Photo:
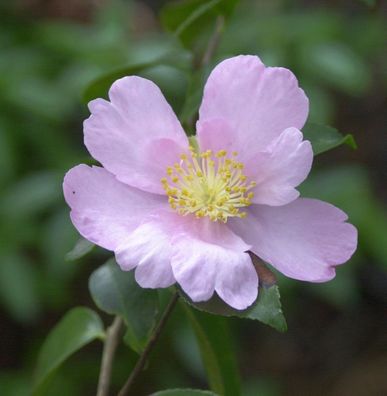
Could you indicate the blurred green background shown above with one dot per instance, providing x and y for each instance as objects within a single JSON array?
[{"x": 52, "y": 49}]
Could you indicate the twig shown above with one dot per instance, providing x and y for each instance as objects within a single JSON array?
[
  {"x": 109, "y": 349},
  {"x": 214, "y": 41},
  {"x": 200, "y": 63},
  {"x": 152, "y": 341}
]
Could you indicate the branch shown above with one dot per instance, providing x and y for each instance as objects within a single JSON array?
[
  {"x": 212, "y": 46},
  {"x": 109, "y": 349},
  {"x": 214, "y": 41},
  {"x": 151, "y": 343}
]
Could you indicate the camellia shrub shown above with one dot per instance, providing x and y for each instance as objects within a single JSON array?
[{"x": 195, "y": 211}]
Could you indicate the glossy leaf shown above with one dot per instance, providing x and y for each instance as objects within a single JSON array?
[
  {"x": 189, "y": 19},
  {"x": 210, "y": 360},
  {"x": 116, "y": 292},
  {"x": 100, "y": 86},
  {"x": 81, "y": 249},
  {"x": 324, "y": 138},
  {"x": 218, "y": 332},
  {"x": 184, "y": 392},
  {"x": 76, "y": 329},
  {"x": 193, "y": 96},
  {"x": 267, "y": 308},
  {"x": 216, "y": 348}
]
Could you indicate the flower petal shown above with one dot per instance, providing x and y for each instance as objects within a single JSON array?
[
  {"x": 258, "y": 103},
  {"x": 208, "y": 257},
  {"x": 105, "y": 210},
  {"x": 281, "y": 168},
  {"x": 125, "y": 133},
  {"x": 237, "y": 281},
  {"x": 149, "y": 249},
  {"x": 304, "y": 239}
]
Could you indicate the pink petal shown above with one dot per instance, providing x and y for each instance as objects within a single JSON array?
[
  {"x": 304, "y": 239},
  {"x": 282, "y": 167},
  {"x": 215, "y": 134},
  {"x": 136, "y": 135},
  {"x": 208, "y": 257},
  {"x": 149, "y": 249},
  {"x": 256, "y": 103},
  {"x": 237, "y": 281},
  {"x": 103, "y": 209}
]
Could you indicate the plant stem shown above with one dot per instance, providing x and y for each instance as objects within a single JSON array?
[
  {"x": 151, "y": 343},
  {"x": 202, "y": 62},
  {"x": 214, "y": 41},
  {"x": 109, "y": 349}
]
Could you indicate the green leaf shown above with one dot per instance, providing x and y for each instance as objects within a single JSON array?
[
  {"x": 116, "y": 292},
  {"x": 100, "y": 86},
  {"x": 190, "y": 19},
  {"x": 337, "y": 65},
  {"x": 193, "y": 96},
  {"x": 200, "y": 9},
  {"x": 369, "y": 3},
  {"x": 76, "y": 329},
  {"x": 82, "y": 247},
  {"x": 216, "y": 348},
  {"x": 324, "y": 138},
  {"x": 22, "y": 301},
  {"x": 267, "y": 308},
  {"x": 31, "y": 195},
  {"x": 184, "y": 392},
  {"x": 209, "y": 357}
]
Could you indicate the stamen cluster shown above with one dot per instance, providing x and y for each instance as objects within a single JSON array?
[{"x": 208, "y": 184}]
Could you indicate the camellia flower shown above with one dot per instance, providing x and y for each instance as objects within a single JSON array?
[{"x": 187, "y": 214}]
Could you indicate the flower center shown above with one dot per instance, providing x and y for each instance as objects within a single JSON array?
[{"x": 208, "y": 184}]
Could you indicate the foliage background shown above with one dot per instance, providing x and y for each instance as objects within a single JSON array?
[{"x": 51, "y": 50}]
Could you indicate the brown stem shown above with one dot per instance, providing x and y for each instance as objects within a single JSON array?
[
  {"x": 212, "y": 45},
  {"x": 151, "y": 343},
  {"x": 109, "y": 349},
  {"x": 214, "y": 41}
]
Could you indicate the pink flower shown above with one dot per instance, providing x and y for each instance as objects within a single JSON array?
[{"x": 187, "y": 215}]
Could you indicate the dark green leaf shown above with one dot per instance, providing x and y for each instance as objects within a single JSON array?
[
  {"x": 31, "y": 195},
  {"x": 100, "y": 86},
  {"x": 200, "y": 9},
  {"x": 267, "y": 308},
  {"x": 77, "y": 328},
  {"x": 369, "y": 3},
  {"x": 116, "y": 292},
  {"x": 190, "y": 19},
  {"x": 183, "y": 392},
  {"x": 82, "y": 247},
  {"x": 216, "y": 348},
  {"x": 324, "y": 138},
  {"x": 210, "y": 360},
  {"x": 337, "y": 65},
  {"x": 23, "y": 301},
  {"x": 193, "y": 96}
]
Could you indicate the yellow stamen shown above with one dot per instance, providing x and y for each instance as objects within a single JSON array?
[{"x": 208, "y": 185}]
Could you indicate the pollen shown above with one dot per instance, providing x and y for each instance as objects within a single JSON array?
[{"x": 208, "y": 184}]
